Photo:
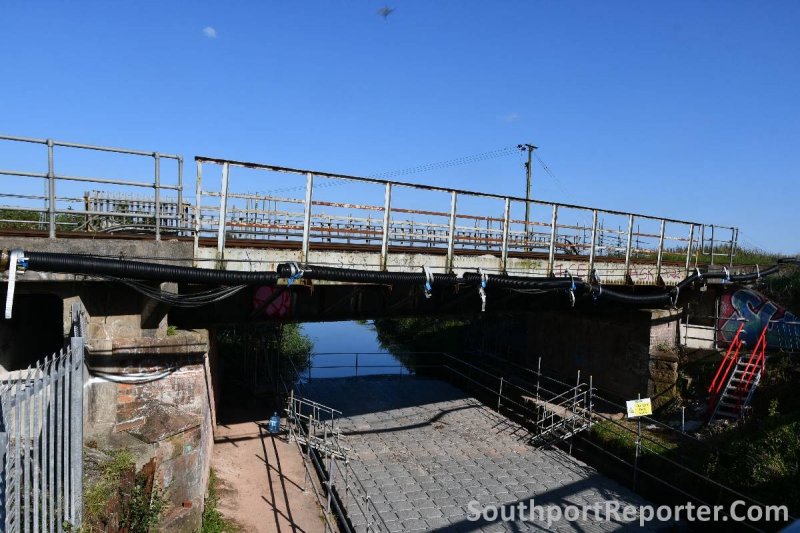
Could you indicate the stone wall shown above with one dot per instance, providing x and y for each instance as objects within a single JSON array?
[{"x": 154, "y": 397}]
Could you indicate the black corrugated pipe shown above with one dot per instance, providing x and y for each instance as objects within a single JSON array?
[
  {"x": 662, "y": 298},
  {"x": 509, "y": 282},
  {"x": 286, "y": 270},
  {"x": 119, "y": 268}
]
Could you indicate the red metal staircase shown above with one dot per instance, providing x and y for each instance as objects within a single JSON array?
[{"x": 737, "y": 378}]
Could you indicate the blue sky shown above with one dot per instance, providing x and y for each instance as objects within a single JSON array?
[{"x": 688, "y": 110}]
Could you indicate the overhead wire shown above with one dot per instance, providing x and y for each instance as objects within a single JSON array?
[{"x": 465, "y": 160}]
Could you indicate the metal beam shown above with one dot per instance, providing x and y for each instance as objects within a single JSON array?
[
  {"x": 387, "y": 209},
  {"x": 504, "y": 249},
  {"x": 594, "y": 239},
  {"x": 628, "y": 246},
  {"x": 307, "y": 217},
  {"x": 553, "y": 235},
  {"x": 660, "y": 249},
  {"x": 451, "y": 237},
  {"x": 223, "y": 216}
]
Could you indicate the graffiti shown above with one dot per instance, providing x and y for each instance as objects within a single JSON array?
[
  {"x": 279, "y": 306},
  {"x": 748, "y": 307}
]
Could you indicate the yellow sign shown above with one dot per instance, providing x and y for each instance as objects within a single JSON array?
[{"x": 640, "y": 407}]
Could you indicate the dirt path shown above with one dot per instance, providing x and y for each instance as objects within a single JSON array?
[{"x": 261, "y": 481}]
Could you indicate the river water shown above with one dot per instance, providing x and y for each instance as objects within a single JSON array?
[{"x": 345, "y": 349}]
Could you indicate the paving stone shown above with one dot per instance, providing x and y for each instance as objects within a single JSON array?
[{"x": 424, "y": 450}]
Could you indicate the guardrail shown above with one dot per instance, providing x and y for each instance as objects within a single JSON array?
[
  {"x": 71, "y": 208},
  {"x": 301, "y": 209},
  {"x": 310, "y": 220}
]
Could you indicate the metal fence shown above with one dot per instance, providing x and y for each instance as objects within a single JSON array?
[
  {"x": 61, "y": 206},
  {"x": 302, "y": 214},
  {"x": 328, "y": 463},
  {"x": 41, "y": 439},
  {"x": 308, "y": 210}
]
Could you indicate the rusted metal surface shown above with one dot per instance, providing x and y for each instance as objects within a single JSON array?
[{"x": 240, "y": 218}]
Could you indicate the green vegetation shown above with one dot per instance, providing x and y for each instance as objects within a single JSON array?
[
  {"x": 758, "y": 457},
  {"x": 172, "y": 331},
  {"x": 116, "y": 496},
  {"x": 432, "y": 334},
  {"x": 213, "y": 522},
  {"x": 287, "y": 340},
  {"x": 34, "y": 220},
  {"x": 784, "y": 288}
]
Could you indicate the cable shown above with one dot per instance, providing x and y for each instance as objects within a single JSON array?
[
  {"x": 128, "y": 272},
  {"x": 493, "y": 154}
]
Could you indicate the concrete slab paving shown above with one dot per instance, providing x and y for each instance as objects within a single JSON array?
[{"x": 426, "y": 451}]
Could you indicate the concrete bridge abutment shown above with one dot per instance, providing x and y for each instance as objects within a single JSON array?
[{"x": 629, "y": 352}]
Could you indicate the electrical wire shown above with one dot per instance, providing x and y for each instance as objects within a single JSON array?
[
  {"x": 466, "y": 160},
  {"x": 195, "y": 299},
  {"x": 131, "y": 273}
]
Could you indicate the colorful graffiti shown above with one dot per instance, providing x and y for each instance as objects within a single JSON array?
[
  {"x": 756, "y": 311},
  {"x": 273, "y": 301}
]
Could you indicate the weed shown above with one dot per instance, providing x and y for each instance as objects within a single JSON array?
[{"x": 213, "y": 522}]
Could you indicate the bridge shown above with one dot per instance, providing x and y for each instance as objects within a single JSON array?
[
  {"x": 155, "y": 389},
  {"x": 245, "y": 216}
]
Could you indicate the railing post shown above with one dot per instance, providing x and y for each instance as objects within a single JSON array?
[
  {"x": 307, "y": 217},
  {"x": 734, "y": 241},
  {"x": 660, "y": 248},
  {"x": 711, "y": 252},
  {"x": 638, "y": 445},
  {"x": 553, "y": 234},
  {"x": 331, "y": 463},
  {"x": 500, "y": 394},
  {"x": 183, "y": 223},
  {"x": 451, "y": 231},
  {"x": 592, "y": 250},
  {"x": 157, "y": 187},
  {"x": 689, "y": 248},
  {"x": 628, "y": 246},
  {"x": 197, "y": 208},
  {"x": 223, "y": 215},
  {"x": 76, "y": 424},
  {"x": 591, "y": 401},
  {"x": 504, "y": 249},
  {"x": 387, "y": 208},
  {"x": 51, "y": 191}
]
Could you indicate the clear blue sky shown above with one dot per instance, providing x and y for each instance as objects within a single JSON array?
[{"x": 689, "y": 110}]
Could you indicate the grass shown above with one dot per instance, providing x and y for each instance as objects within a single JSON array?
[
  {"x": 99, "y": 495},
  {"x": 784, "y": 288},
  {"x": 213, "y": 521},
  {"x": 758, "y": 457},
  {"x": 115, "y": 496}
]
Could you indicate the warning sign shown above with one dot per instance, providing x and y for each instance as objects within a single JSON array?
[{"x": 640, "y": 407}]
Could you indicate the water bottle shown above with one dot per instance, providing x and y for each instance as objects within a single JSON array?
[{"x": 274, "y": 423}]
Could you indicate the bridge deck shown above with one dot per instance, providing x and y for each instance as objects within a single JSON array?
[{"x": 425, "y": 450}]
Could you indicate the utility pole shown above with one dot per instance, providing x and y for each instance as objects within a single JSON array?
[{"x": 527, "y": 148}]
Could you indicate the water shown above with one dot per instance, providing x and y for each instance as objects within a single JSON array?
[{"x": 346, "y": 349}]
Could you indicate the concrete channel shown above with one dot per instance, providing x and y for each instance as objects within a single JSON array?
[{"x": 424, "y": 450}]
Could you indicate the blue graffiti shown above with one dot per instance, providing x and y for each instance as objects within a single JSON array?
[{"x": 755, "y": 312}]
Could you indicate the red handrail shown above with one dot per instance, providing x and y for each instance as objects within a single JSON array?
[
  {"x": 750, "y": 369},
  {"x": 730, "y": 348}
]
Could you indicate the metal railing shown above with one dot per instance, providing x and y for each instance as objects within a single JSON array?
[
  {"x": 316, "y": 431},
  {"x": 310, "y": 222},
  {"x": 41, "y": 439},
  {"x": 305, "y": 215},
  {"x": 521, "y": 393},
  {"x": 73, "y": 209}
]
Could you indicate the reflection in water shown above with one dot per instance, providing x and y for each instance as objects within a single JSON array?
[{"x": 346, "y": 349}]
